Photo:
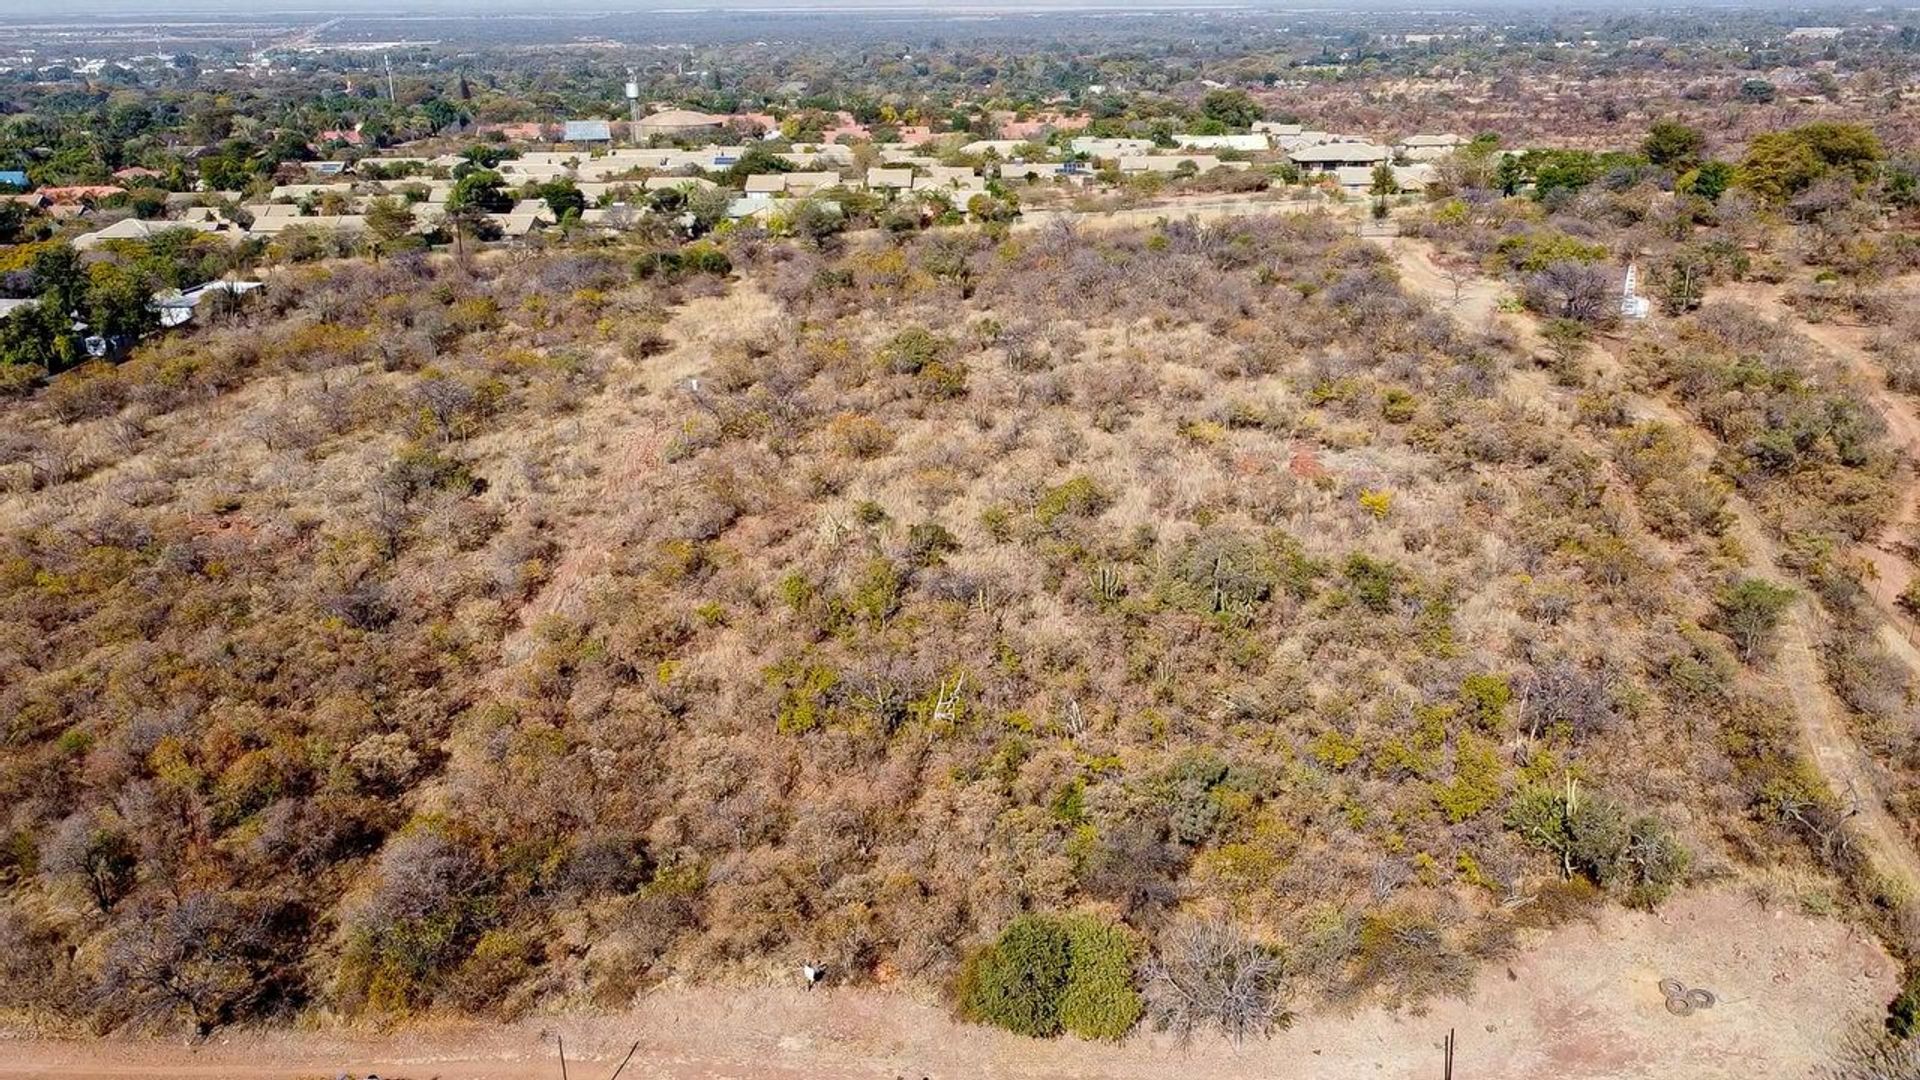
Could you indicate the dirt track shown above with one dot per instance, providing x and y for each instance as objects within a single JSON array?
[
  {"x": 1577, "y": 1003},
  {"x": 1796, "y": 673}
]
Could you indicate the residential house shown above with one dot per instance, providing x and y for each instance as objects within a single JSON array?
[
  {"x": 671, "y": 122},
  {"x": 1045, "y": 170},
  {"x": 1429, "y": 147},
  {"x": 1256, "y": 143},
  {"x": 527, "y": 132},
  {"x": 291, "y": 192},
  {"x": 534, "y": 208},
  {"x": 1358, "y": 179},
  {"x": 846, "y": 129},
  {"x": 812, "y": 155},
  {"x": 257, "y": 211},
  {"x": 139, "y": 229},
  {"x": 1109, "y": 149},
  {"x": 518, "y": 226},
  {"x": 880, "y": 179},
  {"x": 1174, "y": 163},
  {"x": 618, "y": 217},
  {"x": 274, "y": 226},
  {"x": 749, "y": 206},
  {"x": 394, "y": 161},
  {"x": 1039, "y": 126},
  {"x": 586, "y": 131},
  {"x": 998, "y": 147},
  {"x": 796, "y": 184},
  {"x": 1329, "y": 156},
  {"x": 176, "y": 307},
  {"x": 764, "y": 123},
  {"x": 82, "y": 192}
]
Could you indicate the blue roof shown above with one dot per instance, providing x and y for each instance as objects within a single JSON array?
[
  {"x": 14, "y": 177},
  {"x": 588, "y": 131}
]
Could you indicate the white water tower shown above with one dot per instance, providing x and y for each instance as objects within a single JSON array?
[{"x": 633, "y": 101}]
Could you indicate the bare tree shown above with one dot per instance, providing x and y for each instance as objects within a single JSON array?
[
  {"x": 1562, "y": 692},
  {"x": 1209, "y": 973},
  {"x": 207, "y": 957},
  {"x": 98, "y": 853},
  {"x": 1572, "y": 290}
]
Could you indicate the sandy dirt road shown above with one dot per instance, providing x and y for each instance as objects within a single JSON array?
[
  {"x": 1796, "y": 673},
  {"x": 1889, "y": 552},
  {"x": 1576, "y": 1003}
]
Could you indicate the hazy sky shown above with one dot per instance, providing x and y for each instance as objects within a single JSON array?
[
  {"x": 176, "y": 10},
  {"x": 321, "y": 7}
]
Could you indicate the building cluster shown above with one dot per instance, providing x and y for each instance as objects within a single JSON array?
[{"x": 619, "y": 181}]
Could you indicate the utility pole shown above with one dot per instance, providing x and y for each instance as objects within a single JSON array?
[{"x": 387, "y": 58}]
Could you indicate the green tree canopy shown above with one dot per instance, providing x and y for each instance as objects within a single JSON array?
[
  {"x": 1672, "y": 144},
  {"x": 1234, "y": 108}
]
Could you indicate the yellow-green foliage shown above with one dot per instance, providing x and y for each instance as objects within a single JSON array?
[
  {"x": 804, "y": 693},
  {"x": 1484, "y": 698},
  {"x": 1476, "y": 779},
  {"x": 1335, "y": 749},
  {"x": 1079, "y": 497},
  {"x": 1099, "y": 1001},
  {"x": 1048, "y": 973},
  {"x": 1418, "y": 754}
]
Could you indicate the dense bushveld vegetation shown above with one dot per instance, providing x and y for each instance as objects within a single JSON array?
[{"x": 1181, "y": 623}]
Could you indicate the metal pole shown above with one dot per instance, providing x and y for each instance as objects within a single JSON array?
[
  {"x": 623, "y": 1062},
  {"x": 561, "y": 1040}
]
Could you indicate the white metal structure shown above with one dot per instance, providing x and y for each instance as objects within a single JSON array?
[{"x": 1632, "y": 304}]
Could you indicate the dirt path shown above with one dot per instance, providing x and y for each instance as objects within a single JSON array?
[
  {"x": 1576, "y": 1003},
  {"x": 1795, "y": 672},
  {"x": 1472, "y": 298},
  {"x": 1890, "y": 551}
]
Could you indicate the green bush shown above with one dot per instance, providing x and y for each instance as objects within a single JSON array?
[
  {"x": 1749, "y": 611},
  {"x": 1371, "y": 581},
  {"x": 1048, "y": 973},
  {"x": 1484, "y": 699},
  {"x": 1903, "y": 1014},
  {"x": 1231, "y": 573},
  {"x": 1099, "y": 1001},
  {"x": 1016, "y": 982},
  {"x": 1078, "y": 497},
  {"x": 1476, "y": 780},
  {"x": 1595, "y": 837},
  {"x": 696, "y": 258},
  {"x": 911, "y": 350}
]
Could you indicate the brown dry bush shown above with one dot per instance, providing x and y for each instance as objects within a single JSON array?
[{"x": 778, "y": 648}]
